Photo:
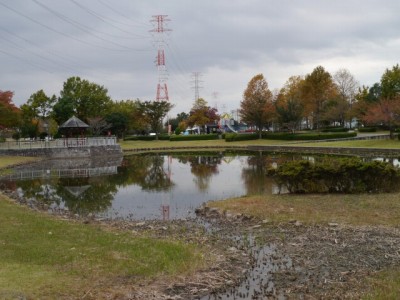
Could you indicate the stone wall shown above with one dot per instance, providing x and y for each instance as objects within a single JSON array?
[{"x": 73, "y": 152}]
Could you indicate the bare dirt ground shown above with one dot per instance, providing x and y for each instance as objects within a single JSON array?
[
  {"x": 302, "y": 262},
  {"x": 253, "y": 259}
]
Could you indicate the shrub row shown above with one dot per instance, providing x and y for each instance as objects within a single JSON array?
[
  {"x": 344, "y": 175},
  {"x": 367, "y": 129},
  {"x": 164, "y": 137},
  {"x": 335, "y": 129},
  {"x": 233, "y": 137},
  {"x": 308, "y": 136},
  {"x": 194, "y": 137}
]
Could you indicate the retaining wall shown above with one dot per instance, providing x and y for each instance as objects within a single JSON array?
[{"x": 72, "y": 152}]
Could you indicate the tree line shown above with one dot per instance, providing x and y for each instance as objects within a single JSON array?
[
  {"x": 319, "y": 99},
  {"x": 314, "y": 101}
]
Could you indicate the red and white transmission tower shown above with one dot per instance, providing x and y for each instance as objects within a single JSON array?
[{"x": 159, "y": 31}]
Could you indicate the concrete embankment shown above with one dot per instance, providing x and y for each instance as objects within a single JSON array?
[{"x": 71, "y": 152}]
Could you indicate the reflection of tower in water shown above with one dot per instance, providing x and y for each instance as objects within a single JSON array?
[{"x": 165, "y": 205}]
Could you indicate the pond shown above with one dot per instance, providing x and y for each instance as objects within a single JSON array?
[{"x": 146, "y": 186}]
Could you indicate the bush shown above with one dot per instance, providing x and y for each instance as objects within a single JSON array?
[
  {"x": 194, "y": 137},
  {"x": 335, "y": 129},
  {"x": 16, "y": 136},
  {"x": 344, "y": 175},
  {"x": 367, "y": 129},
  {"x": 178, "y": 131},
  {"x": 164, "y": 137},
  {"x": 307, "y": 136},
  {"x": 234, "y": 137},
  {"x": 43, "y": 135},
  {"x": 2, "y": 139}
]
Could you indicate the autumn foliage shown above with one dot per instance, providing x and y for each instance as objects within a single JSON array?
[
  {"x": 8, "y": 111},
  {"x": 257, "y": 107}
]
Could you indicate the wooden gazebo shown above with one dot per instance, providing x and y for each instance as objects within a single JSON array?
[{"x": 73, "y": 127}]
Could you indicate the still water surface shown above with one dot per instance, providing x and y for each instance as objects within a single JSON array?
[
  {"x": 143, "y": 186},
  {"x": 150, "y": 187}
]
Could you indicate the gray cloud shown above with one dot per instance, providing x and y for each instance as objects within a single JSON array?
[{"x": 44, "y": 42}]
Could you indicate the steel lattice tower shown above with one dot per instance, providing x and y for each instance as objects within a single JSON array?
[
  {"x": 159, "y": 31},
  {"x": 196, "y": 81}
]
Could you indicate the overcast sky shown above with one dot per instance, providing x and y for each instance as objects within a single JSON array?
[{"x": 44, "y": 42}]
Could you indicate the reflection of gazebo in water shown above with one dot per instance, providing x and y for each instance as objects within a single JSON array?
[
  {"x": 77, "y": 191},
  {"x": 73, "y": 127}
]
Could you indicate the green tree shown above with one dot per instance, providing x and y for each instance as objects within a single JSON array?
[
  {"x": 390, "y": 82},
  {"x": 130, "y": 117},
  {"x": 37, "y": 110},
  {"x": 174, "y": 122},
  {"x": 153, "y": 113},
  {"x": 40, "y": 104},
  {"x": 257, "y": 107},
  {"x": 361, "y": 104},
  {"x": 118, "y": 123},
  {"x": 83, "y": 99}
]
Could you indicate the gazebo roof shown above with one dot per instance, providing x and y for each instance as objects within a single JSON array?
[{"x": 74, "y": 122}]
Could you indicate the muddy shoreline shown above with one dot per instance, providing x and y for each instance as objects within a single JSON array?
[{"x": 257, "y": 259}]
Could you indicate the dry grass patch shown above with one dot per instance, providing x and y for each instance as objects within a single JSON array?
[{"x": 364, "y": 209}]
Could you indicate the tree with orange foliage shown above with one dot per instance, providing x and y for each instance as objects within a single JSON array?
[
  {"x": 385, "y": 112},
  {"x": 9, "y": 113},
  {"x": 257, "y": 107},
  {"x": 318, "y": 90},
  {"x": 289, "y": 106}
]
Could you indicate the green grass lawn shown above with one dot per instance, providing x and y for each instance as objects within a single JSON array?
[
  {"x": 130, "y": 145},
  {"x": 390, "y": 144},
  {"x": 46, "y": 258},
  {"x": 6, "y": 161}
]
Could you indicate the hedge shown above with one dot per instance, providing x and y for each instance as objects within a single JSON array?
[
  {"x": 163, "y": 137},
  {"x": 233, "y": 137},
  {"x": 367, "y": 129},
  {"x": 194, "y": 137},
  {"x": 308, "y": 136},
  {"x": 335, "y": 129}
]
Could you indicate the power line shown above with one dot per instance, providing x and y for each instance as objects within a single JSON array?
[
  {"x": 78, "y": 25},
  {"x": 25, "y": 61},
  {"x": 36, "y": 54},
  {"x": 122, "y": 15},
  {"x": 60, "y": 32},
  {"x": 101, "y": 18}
]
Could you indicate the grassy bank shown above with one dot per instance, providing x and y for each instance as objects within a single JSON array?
[
  {"x": 352, "y": 209},
  {"x": 381, "y": 144},
  {"x": 130, "y": 145},
  {"x": 42, "y": 257},
  {"x": 7, "y": 161}
]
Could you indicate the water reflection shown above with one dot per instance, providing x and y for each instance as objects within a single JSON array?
[{"x": 145, "y": 186}]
